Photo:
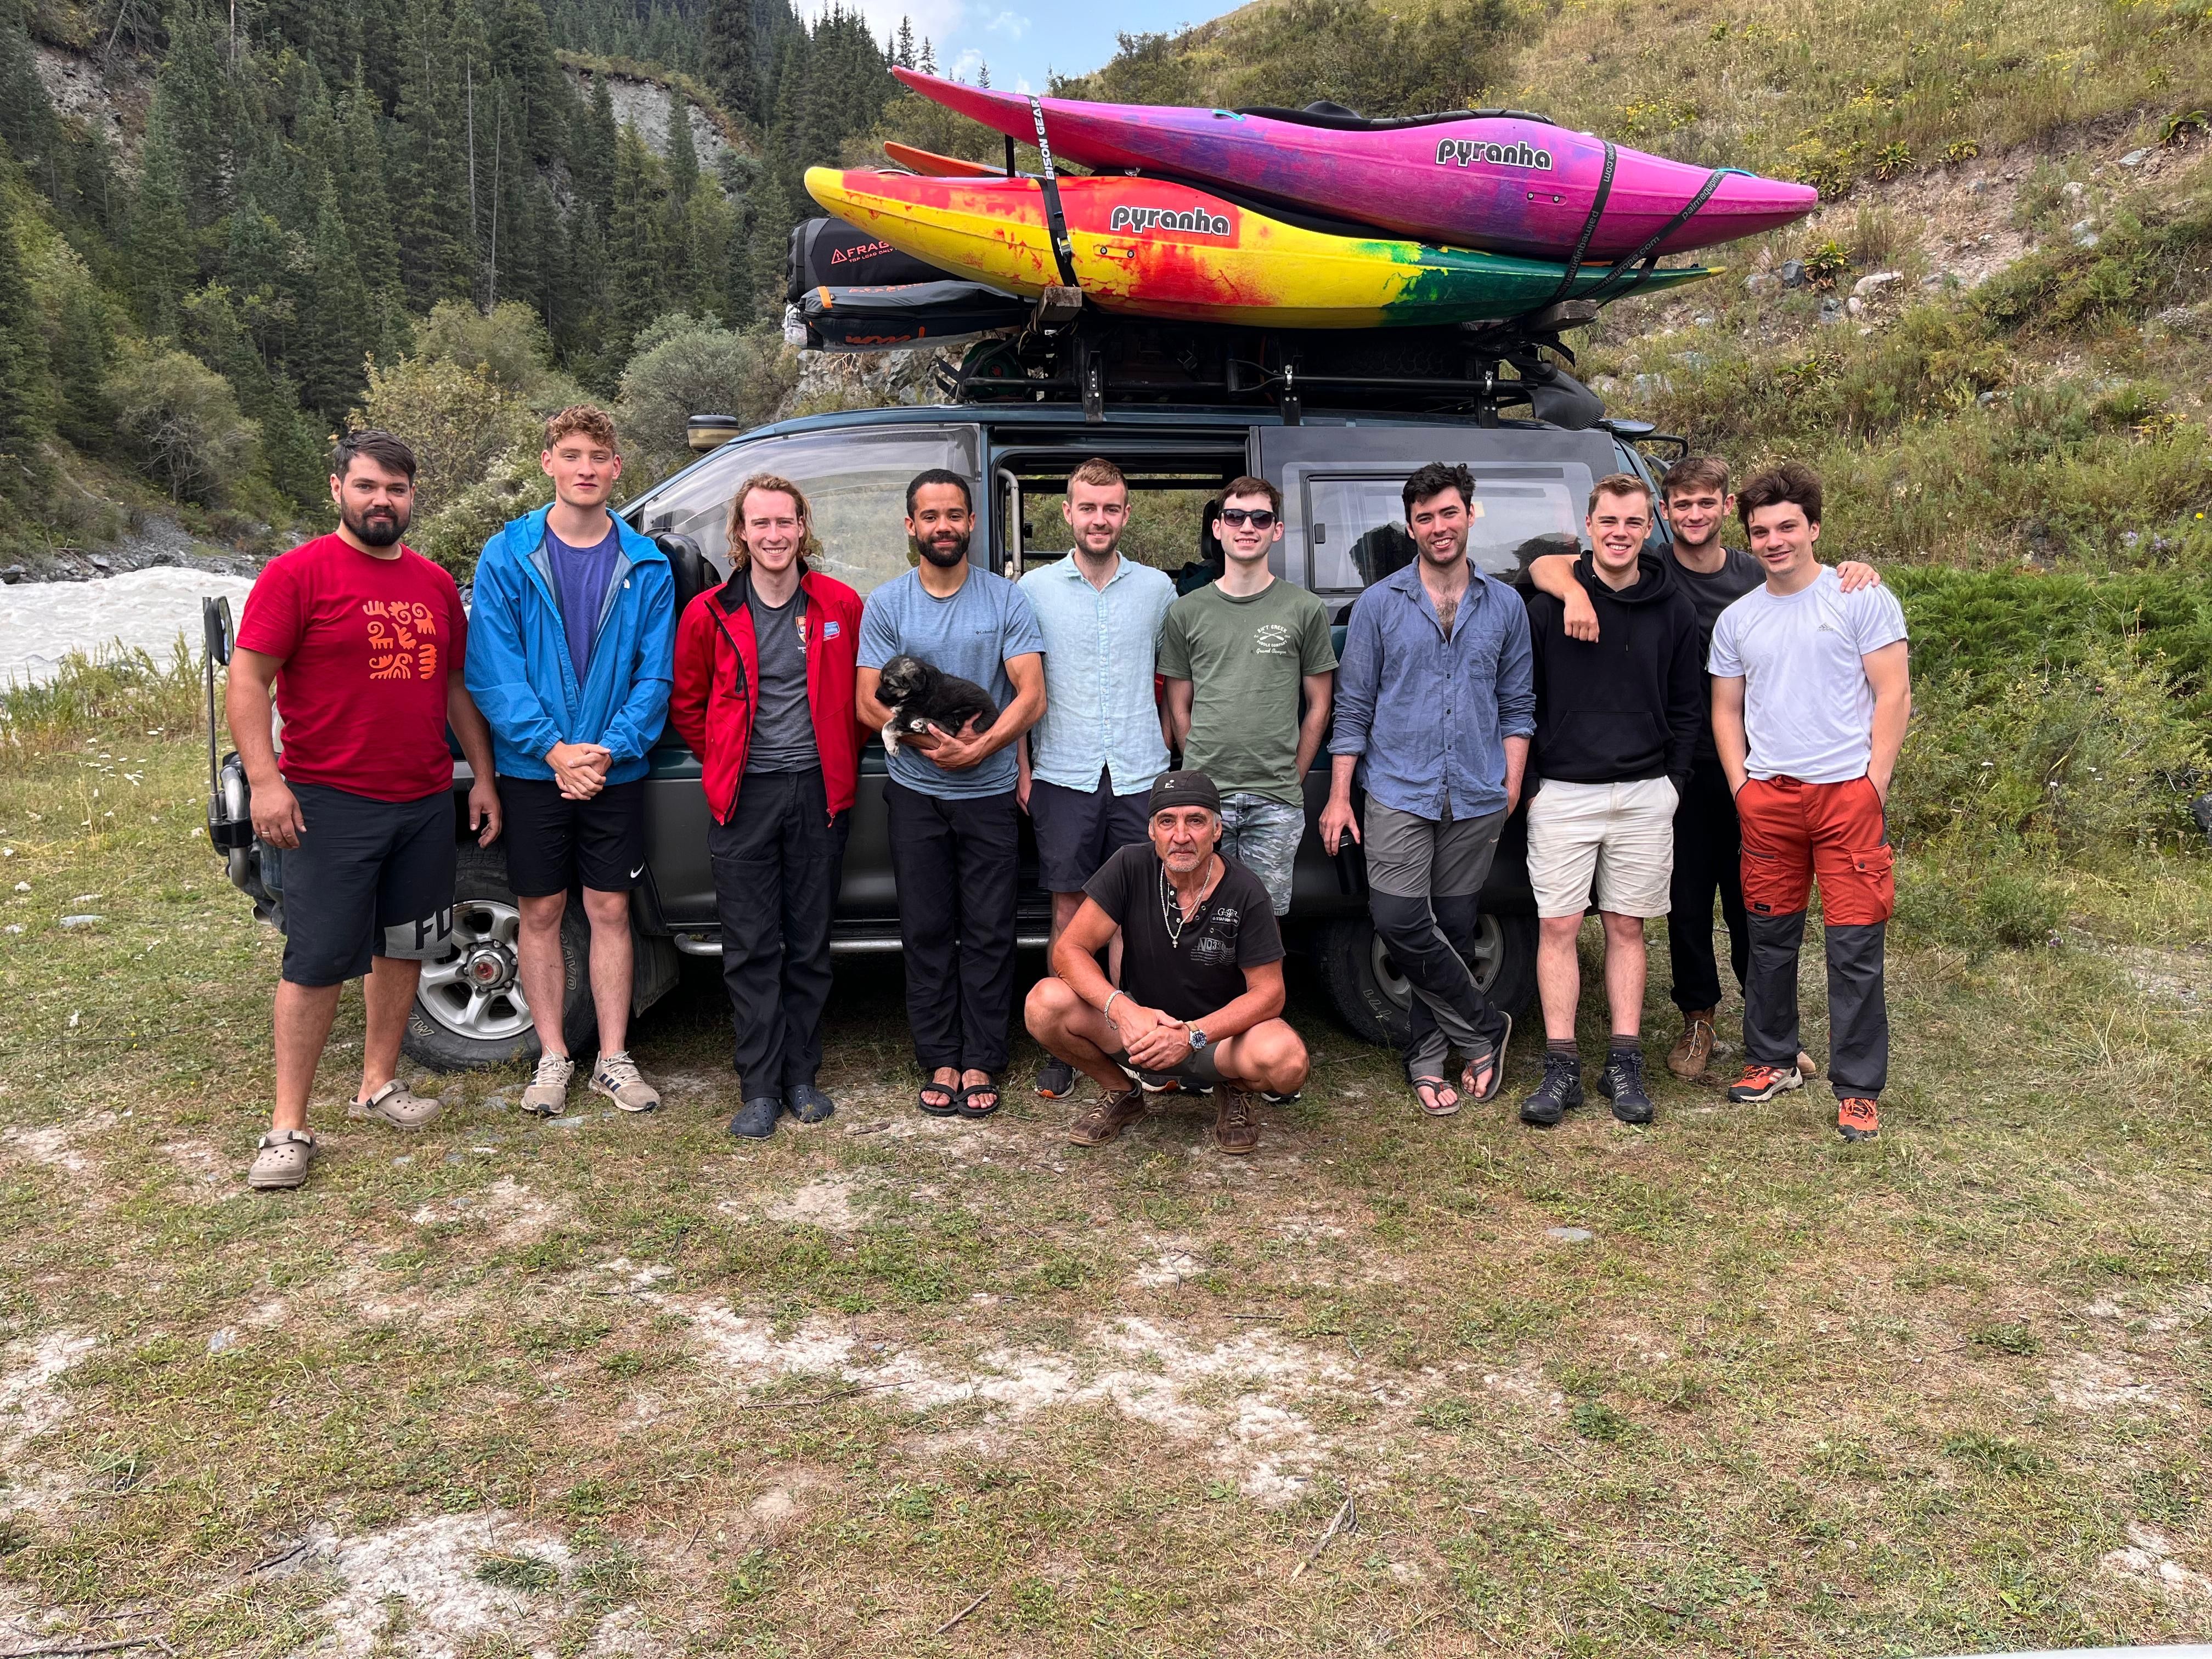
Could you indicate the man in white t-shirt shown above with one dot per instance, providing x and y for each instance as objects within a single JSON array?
[{"x": 1811, "y": 694}]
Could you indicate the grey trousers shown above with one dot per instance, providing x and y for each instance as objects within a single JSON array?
[
  {"x": 1424, "y": 879},
  {"x": 1859, "y": 1013}
]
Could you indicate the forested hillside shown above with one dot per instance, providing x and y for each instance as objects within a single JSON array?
[{"x": 202, "y": 261}]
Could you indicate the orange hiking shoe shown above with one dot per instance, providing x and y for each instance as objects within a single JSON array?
[
  {"x": 1857, "y": 1119},
  {"x": 1760, "y": 1083}
]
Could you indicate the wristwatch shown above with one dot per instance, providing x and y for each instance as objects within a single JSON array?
[{"x": 1198, "y": 1038}]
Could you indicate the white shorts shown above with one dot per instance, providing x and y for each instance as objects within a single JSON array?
[{"x": 1623, "y": 834}]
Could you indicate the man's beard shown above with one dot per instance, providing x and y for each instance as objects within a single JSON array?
[
  {"x": 953, "y": 553},
  {"x": 382, "y": 532}
]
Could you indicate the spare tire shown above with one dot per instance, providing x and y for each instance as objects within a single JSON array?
[
  {"x": 1372, "y": 997},
  {"x": 470, "y": 1011}
]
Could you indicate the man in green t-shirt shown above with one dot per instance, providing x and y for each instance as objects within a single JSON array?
[{"x": 1237, "y": 656}]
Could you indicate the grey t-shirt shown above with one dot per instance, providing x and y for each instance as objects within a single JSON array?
[
  {"x": 1807, "y": 706},
  {"x": 783, "y": 720},
  {"x": 971, "y": 634}
]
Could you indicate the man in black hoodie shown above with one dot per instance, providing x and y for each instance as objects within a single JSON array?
[{"x": 1617, "y": 723}]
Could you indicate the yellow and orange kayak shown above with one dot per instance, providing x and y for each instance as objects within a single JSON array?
[{"x": 1155, "y": 247}]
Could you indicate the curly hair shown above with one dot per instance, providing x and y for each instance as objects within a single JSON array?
[
  {"x": 742, "y": 556},
  {"x": 1792, "y": 483},
  {"x": 586, "y": 418}
]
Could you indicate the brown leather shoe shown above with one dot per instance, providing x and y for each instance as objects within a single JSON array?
[
  {"x": 1112, "y": 1114},
  {"x": 1235, "y": 1121},
  {"x": 1693, "y": 1050},
  {"x": 1805, "y": 1066}
]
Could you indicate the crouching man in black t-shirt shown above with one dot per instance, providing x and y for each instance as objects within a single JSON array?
[{"x": 1201, "y": 973}]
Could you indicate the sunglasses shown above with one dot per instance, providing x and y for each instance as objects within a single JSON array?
[{"x": 1258, "y": 517}]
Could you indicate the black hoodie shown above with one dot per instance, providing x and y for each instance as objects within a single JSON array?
[{"x": 1630, "y": 705}]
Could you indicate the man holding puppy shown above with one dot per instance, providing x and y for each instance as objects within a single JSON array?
[
  {"x": 1202, "y": 992},
  {"x": 955, "y": 828},
  {"x": 574, "y": 630}
]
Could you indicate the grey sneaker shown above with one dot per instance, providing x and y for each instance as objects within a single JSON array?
[
  {"x": 548, "y": 1093},
  {"x": 399, "y": 1106},
  {"x": 618, "y": 1080},
  {"x": 281, "y": 1161}
]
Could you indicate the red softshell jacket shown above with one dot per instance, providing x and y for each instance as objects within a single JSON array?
[{"x": 718, "y": 679}]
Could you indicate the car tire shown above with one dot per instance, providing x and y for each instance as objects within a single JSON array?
[
  {"x": 1372, "y": 999},
  {"x": 470, "y": 1013}
]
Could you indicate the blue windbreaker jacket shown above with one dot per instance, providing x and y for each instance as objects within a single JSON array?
[{"x": 518, "y": 666}]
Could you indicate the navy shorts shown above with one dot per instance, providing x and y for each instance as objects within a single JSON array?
[
  {"x": 369, "y": 879},
  {"x": 553, "y": 842},
  {"x": 1078, "y": 829}
]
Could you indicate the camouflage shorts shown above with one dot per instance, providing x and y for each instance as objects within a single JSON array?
[{"x": 1263, "y": 837}]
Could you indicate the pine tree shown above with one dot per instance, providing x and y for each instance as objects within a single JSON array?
[
  {"x": 83, "y": 347},
  {"x": 927, "y": 64},
  {"x": 428, "y": 164},
  {"x": 335, "y": 317},
  {"x": 162, "y": 262},
  {"x": 902, "y": 53},
  {"x": 22, "y": 359},
  {"x": 592, "y": 149},
  {"x": 364, "y": 202},
  {"x": 637, "y": 242},
  {"x": 733, "y": 60},
  {"x": 982, "y": 74},
  {"x": 680, "y": 153}
]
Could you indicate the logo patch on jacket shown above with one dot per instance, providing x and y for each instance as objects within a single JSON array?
[{"x": 831, "y": 628}]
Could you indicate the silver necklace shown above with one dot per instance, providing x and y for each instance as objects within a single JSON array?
[{"x": 1171, "y": 911}]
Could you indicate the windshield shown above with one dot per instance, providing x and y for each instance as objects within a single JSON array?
[
  {"x": 855, "y": 482},
  {"x": 1356, "y": 525}
]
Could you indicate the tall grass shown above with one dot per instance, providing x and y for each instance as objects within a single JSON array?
[{"x": 106, "y": 689}]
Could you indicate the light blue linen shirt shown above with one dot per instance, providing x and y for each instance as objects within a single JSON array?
[{"x": 1099, "y": 647}]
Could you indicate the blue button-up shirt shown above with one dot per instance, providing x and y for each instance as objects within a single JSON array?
[
  {"x": 1429, "y": 716},
  {"x": 1100, "y": 714}
]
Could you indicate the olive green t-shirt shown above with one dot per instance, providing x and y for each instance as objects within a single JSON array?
[{"x": 1244, "y": 659}]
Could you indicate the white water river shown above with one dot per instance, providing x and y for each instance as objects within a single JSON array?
[{"x": 41, "y": 622}]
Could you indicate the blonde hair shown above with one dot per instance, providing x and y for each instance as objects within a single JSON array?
[{"x": 740, "y": 554}]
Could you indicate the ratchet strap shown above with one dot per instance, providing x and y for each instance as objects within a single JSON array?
[
  {"x": 1063, "y": 250},
  {"x": 1628, "y": 274},
  {"x": 1589, "y": 228}
]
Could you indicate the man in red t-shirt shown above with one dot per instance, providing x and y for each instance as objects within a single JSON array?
[{"x": 362, "y": 641}]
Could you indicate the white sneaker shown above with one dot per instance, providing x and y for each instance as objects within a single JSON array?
[
  {"x": 617, "y": 1079},
  {"x": 547, "y": 1093}
]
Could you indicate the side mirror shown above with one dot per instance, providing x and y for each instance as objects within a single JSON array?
[{"x": 215, "y": 626}]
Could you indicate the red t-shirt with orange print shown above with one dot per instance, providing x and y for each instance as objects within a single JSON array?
[{"x": 366, "y": 645}]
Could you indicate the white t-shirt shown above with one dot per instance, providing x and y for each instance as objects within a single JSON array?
[{"x": 1807, "y": 706}]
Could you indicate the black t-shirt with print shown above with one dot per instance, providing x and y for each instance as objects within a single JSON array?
[
  {"x": 1712, "y": 593},
  {"x": 1233, "y": 930}
]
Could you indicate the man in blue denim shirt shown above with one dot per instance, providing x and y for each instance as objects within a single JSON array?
[{"x": 1436, "y": 702}]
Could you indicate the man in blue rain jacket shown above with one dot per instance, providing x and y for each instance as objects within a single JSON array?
[{"x": 572, "y": 636}]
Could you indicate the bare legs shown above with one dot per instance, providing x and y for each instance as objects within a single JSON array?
[
  {"x": 302, "y": 1026},
  {"x": 1559, "y": 974},
  {"x": 545, "y": 974}
]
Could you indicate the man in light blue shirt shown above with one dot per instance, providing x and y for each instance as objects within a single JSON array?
[
  {"x": 1436, "y": 702},
  {"x": 1093, "y": 756},
  {"x": 955, "y": 829}
]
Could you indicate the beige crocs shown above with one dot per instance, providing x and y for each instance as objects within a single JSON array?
[
  {"x": 547, "y": 1093},
  {"x": 398, "y": 1106},
  {"x": 281, "y": 1163},
  {"x": 618, "y": 1080}
]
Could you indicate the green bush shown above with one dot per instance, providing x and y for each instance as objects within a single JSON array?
[
  {"x": 685, "y": 367},
  {"x": 185, "y": 420}
]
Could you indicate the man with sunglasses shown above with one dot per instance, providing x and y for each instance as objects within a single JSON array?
[{"x": 1239, "y": 657}]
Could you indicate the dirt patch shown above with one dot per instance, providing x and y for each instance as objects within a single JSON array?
[
  {"x": 2180, "y": 979},
  {"x": 2090, "y": 1383},
  {"x": 30, "y": 1407},
  {"x": 2148, "y": 1559},
  {"x": 511, "y": 1212},
  {"x": 826, "y": 1203},
  {"x": 48, "y": 1146}
]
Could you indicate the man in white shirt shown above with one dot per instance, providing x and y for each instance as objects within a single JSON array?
[{"x": 1811, "y": 693}]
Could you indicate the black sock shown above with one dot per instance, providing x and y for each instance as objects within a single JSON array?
[{"x": 1562, "y": 1048}]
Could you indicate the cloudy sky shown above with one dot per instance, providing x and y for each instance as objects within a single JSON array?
[{"x": 1021, "y": 40}]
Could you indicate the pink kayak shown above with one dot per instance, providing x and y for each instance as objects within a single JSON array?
[{"x": 1509, "y": 183}]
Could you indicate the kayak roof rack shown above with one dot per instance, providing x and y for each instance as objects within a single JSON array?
[{"x": 1071, "y": 352}]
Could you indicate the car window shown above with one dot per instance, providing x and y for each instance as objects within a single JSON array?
[
  {"x": 1356, "y": 526},
  {"x": 854, "y": 479}
]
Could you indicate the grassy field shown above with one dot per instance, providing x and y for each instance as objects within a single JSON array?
[{"x": 895, "y": 1385}]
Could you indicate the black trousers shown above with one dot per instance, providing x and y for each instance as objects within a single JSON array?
[
  {"x": 1858, "y": 1011},
  {"x": 1708, "y": 858},
  {"x": 777, "y": 864},
  {"x": 956, "y": 863}
]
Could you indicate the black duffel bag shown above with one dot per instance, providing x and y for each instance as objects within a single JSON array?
[{"x": 830, "y": 253}]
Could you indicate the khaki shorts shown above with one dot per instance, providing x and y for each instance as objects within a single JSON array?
[{"x": 1621, "y": 834}]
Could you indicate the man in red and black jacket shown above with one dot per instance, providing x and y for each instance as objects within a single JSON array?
[{"x": 764, "y": 693}]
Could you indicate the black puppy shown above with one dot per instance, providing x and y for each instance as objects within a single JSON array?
[{"x": 923, "y": 699}]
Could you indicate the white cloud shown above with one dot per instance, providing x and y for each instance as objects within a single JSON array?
[
  {"x": 940, "y": 20},
  {"x": 1011, "y": 24}
]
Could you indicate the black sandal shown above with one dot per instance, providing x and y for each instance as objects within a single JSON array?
[
  {"x": 949, "y": 1091},
  {"x": 967, "y": 1107}
]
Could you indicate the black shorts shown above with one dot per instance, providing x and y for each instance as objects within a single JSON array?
[
  {"x": 369, "y": 879},
  {"x": 552, "y": 841},
  {"x": 1077, "y": 830}
]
